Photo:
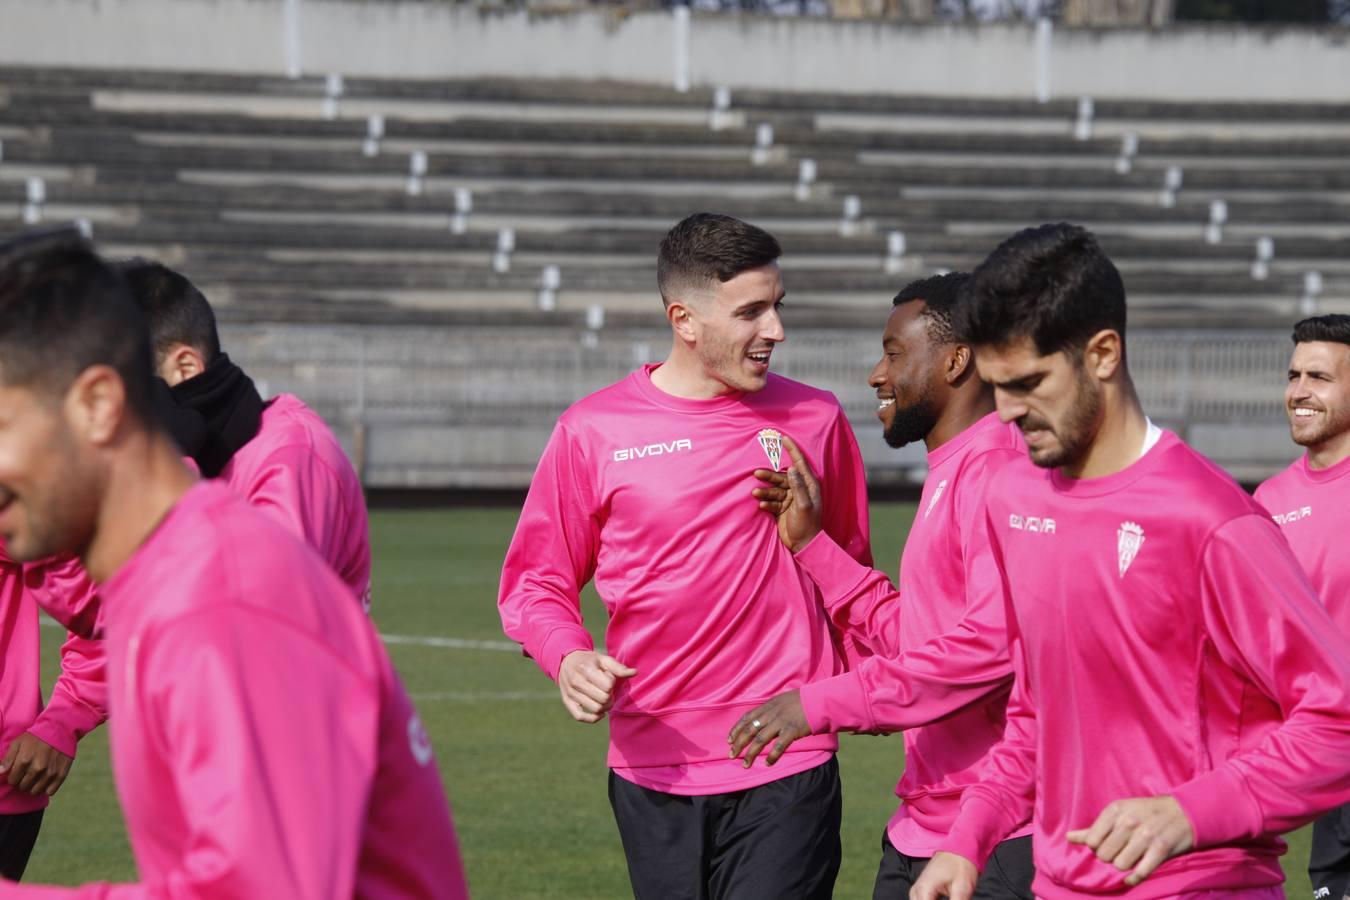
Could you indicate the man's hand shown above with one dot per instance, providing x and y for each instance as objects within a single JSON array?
[
  {"x": 1140, "y": 834},
  {"x": 946, "y": 875},
  {"x": 793, "y": 497},
  {"x": 35, "y": 766},
  {"x": 782, "y": 718},
  {"x": 587, "y": 681}
]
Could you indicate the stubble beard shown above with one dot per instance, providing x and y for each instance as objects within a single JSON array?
[{"x": 1078, "y": 432}]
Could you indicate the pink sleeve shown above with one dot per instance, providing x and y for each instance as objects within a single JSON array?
[
  {"x": 259, "y": 818},
  {"x": 62, "y": 588},
  {"x": 79, "y": 701},
  {"x": 861, "y": 601},
  {"x": 302, "y": 492},
  {"x": 552, "y": 555},
  {"x": 896, "y": 690},
  {"x": 1004, "y": 796},
  {"x": 844, "y": 485},
  {"x": 1266, "y": 622},
  {"x": 845, "y": 518}
]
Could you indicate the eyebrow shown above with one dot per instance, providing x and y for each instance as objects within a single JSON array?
[
  {"x": 753, "y": 303},
  {"x": 1021, "y": 381}
]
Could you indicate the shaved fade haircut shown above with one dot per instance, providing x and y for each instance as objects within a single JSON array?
[
  {"x": 63, "y": 310},
  {"x": 1333, "y": 329},
  {"x": 706, "y": 248},
  {"x": 940, "y": 294},
  {"x": 1052, "y": 284},
  {"x": 175, "y": 310}
]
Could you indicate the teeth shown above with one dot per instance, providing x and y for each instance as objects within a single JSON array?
[
  {"x": 1303, "y": 412},
  {"x": 886, "y": 403}
]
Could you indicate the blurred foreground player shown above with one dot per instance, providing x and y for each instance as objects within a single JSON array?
[
  {"x": 1310, "y": 501},
  {"x": 642, "y": 487},
  {"x": 277, "y": 454},
  {"x": 1180, "y": 698},
  {"x": 262, "y": 744},
  {"x": 941, "y": 671}
]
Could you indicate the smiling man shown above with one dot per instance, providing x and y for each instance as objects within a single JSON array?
[
  {"x": 642, "y": 488},
  {"x": 1310, "y": 501},
  {"x": 943, "y": 676},
  {"x": 1180, "y": 697},
  {"x": 262, "y": 744}
]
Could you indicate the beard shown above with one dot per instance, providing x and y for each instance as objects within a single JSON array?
[
  {"x": 1077, "y": 432},
  {"x": 910, "y": 424},
  {"x": 1334, "y": 424}
]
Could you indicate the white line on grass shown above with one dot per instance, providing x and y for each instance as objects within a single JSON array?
[
  {"x": 416, "y": 640},
  {"x": 481, "y": 696},
  {"x": 450, "y": 643}
]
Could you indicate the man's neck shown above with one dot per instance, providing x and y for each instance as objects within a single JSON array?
[
  {"x": 1330, "y": 452},
  {"x": 147, "y": 480},
  {"x": 1119, "y": 442},
  {"x": 962, "y": 411},
  {"x": 682, "y": 375}
]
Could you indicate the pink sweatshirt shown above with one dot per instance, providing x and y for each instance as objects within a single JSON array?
[
  {"x": 262, "y": 744},
  {"x": 1312, "y": 508},
  {"x": 942, "y": 672},
  {"x": 20, "y": 685},
  {"x": 649, "y": 494},
  {"x": 293, "y": 469},
  {"x": 1164, "y": 641},
  {"x": 79, "y": 700}
]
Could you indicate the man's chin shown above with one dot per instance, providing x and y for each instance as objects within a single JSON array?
[{"x": 1048, "y": 457}]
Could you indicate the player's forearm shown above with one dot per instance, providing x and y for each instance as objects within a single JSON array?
[
  {"x": 79, "y": 701},
  {"x": 860, "y": 600},
  {"x": 986, "y": 819}
]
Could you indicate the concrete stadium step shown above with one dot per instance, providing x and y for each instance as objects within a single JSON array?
[
  {"x": 114, "y": 159},
  {"x": 565, "y": 91}
]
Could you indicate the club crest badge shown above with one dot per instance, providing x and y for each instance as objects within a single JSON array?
[
  {"x": 937, "y": 495},
  {"x": 1129, "y": 538},
  {"x": 772, "y": 442}
]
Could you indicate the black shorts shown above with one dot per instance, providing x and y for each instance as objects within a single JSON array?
[
  {"x": 18, "y": 834},
  {"x": 1329, "y": 856},
  {"x": 774, "y": 841},
  {"x": 1006, "y": 876}
]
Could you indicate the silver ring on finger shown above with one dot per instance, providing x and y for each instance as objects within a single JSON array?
[{"x": 756, "y": 724}]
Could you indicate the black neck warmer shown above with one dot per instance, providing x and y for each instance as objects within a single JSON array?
[{"x": 228, "y": 408}]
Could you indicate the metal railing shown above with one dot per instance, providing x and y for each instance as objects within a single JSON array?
[{"x": 464, "y": 407}]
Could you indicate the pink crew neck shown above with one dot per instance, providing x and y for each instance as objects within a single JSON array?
[
  {"x": 1322, "y": 476},
  {"x": 642, "y": 380}
]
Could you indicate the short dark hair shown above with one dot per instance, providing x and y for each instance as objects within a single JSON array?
[
  {"x": 708, "y": 246},
  {"x": 176, "y": 311},
  {"x": 1052, "y": 283},
  {"x": 941, "y": 295},
  {"x": 1334, "y": 329},
  {"x": 62, "y": 310}
]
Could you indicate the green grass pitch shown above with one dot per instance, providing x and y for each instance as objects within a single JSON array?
[{"x": 526, "y": 782}]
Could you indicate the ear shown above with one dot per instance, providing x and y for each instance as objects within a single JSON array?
[
  {"x": 96, "y": 405},
  {"x": 1104, "y": 355},
  {"x": 959, "y": 361},
  {"x": 681, "y": 320},
  {"x": 181, "y": 363}
]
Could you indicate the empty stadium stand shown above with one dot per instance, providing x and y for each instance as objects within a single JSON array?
[{"x": 429, "y": 255}]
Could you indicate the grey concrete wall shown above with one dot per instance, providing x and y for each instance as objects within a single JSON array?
[{"x": 421, "y": 39}]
